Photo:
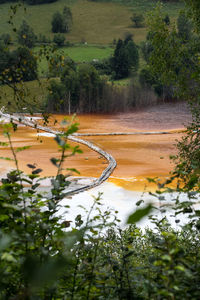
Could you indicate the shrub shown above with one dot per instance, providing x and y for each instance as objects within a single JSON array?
[
  {"x": 6, "y": 38},
  {"x": 138, "y": 20},
  {"x": 59, "y": 39}
]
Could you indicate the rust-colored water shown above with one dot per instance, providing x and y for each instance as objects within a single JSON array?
[{"x": 137, "y": 156}]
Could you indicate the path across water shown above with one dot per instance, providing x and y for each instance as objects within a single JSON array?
[{"x": 106, "y": 173}]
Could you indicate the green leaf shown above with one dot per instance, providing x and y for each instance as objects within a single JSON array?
[
  {"x": 166, "y": 257},
  {"x": 54, "y": 161},
  {"x": 72, "y": 129},
  {"x": 139, "y": 202},
  {"x": 3, "y": 144},
  {"x": 37, "y": 171},
  {"x": 8, "y": 257},
  {"x": 73, "y": 170},
  {"x": 19, "y": 149},
  {"x": 6, "y": 158},
  {"x": 31, "y": 166},
  {"x": 139, "y": 214}
]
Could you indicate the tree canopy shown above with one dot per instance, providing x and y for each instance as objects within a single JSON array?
[
  {"x": 125, "y": 60},
  {"x": 62, "y": 22}
]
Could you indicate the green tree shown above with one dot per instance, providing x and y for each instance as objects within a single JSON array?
[
  {"x": 26, "y": 36},
  {"x": 176, "y": 63},
  {"x": 125, "y": 58},
  {"x": 23, "y": 65},
  {"x": 89, "y": 85},
  {"x": 80, "y": 88},
  {"x": 62, "y": 22},
  {"x": 59, "y": 39},
  {"x": 56, "y": 96},
  {"x": 67, "y": 18},
  {"x": 4, "y": 62},
  {"x": 120, "y": 63},
  {"x": 57, "y": 23},
  {"x": 17, "y": 65},
  {"x": 138, "y": 20},
  {"x": 133, "y": 56},
  {"x": 184, "y": 27},
  {"x": 6, "y": 38},
  {"x": 167, "y": 19}
]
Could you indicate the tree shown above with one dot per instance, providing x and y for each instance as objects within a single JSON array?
[
  {"x": 4, "y": 62},
  {"x": 56, "y": 96},
  {"x": 6, "y": 38},
  {"x": 184, "y": 27},
  {"x": 174, "y": 60},
  {"x": 23, "y": 65},
  {"x": 57, "y": 23},
  {"x": 133, "y": 56},
  {"x": 167, "y": 20},
  {"x": 125, "y": 58},
  {"x": 62, "y": 22},
  {"x": 138, "y": 20},
  {"x": 59, "y": 39},
  {"x": 89, "y": 85},
  {"x": 120, "y": 61},
  {"x": 17, "y": 65},
  {"x": 80, "y": 88},
  {"x": 67, "y": 18},
  {"x": 26, "y": 36}
]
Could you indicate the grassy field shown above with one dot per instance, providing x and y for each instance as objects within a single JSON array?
[
  {"x": 81, "y": 53},
  {"x": 93, "y": 22},
  {"x": 36, "y": 92},
  {"x": 143, "y": 6}
]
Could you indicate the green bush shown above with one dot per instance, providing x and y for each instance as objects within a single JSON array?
[
  {"x": 138, "y": 20},
  {"x": 59, "y": 39}
]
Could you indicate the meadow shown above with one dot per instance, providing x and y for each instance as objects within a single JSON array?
[
  {"x": 34, "y": 95},
  {"x": 93, "y": 22},
  {"x": 79, "y": 54}
]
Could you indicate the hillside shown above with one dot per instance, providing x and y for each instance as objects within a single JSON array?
[{"x": 93, "y": 22}]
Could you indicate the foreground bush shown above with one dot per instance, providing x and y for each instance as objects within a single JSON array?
[{"x": 45, "y": 256}]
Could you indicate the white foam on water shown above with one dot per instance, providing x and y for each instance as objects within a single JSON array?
[
  {"x": 121, "y": 200},
  {"x": 4, "y": 120},
  {"x": 46, "y": 134},
  {"x": 33, "y": 118}
]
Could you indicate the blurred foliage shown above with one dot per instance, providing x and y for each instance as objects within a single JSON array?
[{"x": 43, "y": 255}]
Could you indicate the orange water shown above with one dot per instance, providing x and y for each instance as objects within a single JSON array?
[{"x": 137, "y": 156}]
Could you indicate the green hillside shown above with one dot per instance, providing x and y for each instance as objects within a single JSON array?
[{"x": 93, "y": 22}]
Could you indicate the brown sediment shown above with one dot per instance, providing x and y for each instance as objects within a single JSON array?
[{"x": 137, "y": 156}]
